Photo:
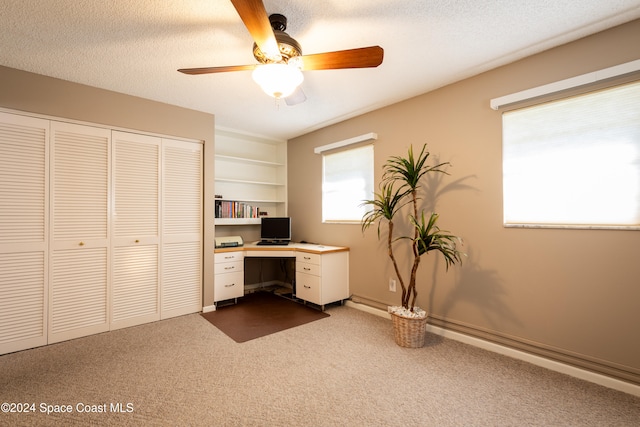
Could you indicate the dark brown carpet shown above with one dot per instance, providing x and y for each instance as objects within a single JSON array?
[{"x": 259, "y": 314}]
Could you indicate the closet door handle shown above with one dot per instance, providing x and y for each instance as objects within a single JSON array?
[{"x": 81, "y": 244}]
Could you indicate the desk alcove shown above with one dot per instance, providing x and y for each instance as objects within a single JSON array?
[{"x": 321, "y": 271}]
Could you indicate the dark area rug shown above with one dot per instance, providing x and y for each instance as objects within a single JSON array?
[{"x": 259, "y": 314}]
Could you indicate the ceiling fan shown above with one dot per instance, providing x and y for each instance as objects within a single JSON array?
[{"x": 280, "y": 57}]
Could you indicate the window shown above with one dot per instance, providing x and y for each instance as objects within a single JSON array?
[
  {"x": 347, "y": 180},
  {"x": 574, "y": 162}
]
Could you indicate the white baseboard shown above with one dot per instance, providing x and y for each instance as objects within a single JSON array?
[
  {"x": 573, "y": 371},
  {"x": 208, "y": 308}
]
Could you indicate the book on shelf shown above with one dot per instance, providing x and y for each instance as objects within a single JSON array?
[{"x": 234, "y": 209}]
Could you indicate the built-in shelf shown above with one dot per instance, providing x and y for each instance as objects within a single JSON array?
[
  {"x": 244, "y": 181},
  {"x": 254, "y": 200},
  {"x": 237, "y": 221},
  {"x": 249, "y": 161},
  {"x": 250, "y": 169}
]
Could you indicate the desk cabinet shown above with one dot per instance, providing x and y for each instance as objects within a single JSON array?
[
  {"x": 322, "y": 278},
  {"x": 229, "y": 275},
  {"x": 322, "y": 272}
]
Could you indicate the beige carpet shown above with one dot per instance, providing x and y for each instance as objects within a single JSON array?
[{"x": 343, "y": 370}]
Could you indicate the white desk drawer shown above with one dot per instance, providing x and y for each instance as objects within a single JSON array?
[
  {"x": 308, "y": 258},
  {"x": 308, "y": 287},
  {"x": 306, "y": 268},
  {"x": 228, "y": 257},
  {"x": 228, "y": 286},
  {"x": 229, "y": 267}
]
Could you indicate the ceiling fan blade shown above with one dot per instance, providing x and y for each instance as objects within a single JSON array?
[
  {"x": 255, "y": 18},
  {"x": 364, "y": 57},
  {"x": 297, "y": 97},
  {"x": 209, "y": 70}
]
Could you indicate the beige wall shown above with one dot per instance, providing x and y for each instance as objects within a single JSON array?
[
  {"x": 567, "y": 294},
  {"x": 53, "y": 97}
]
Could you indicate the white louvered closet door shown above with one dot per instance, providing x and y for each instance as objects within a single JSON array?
[
  {"x": 24, "y": 182},
  {"x": 181, "y": 228},
  {"x": 79, "y": 255},
  {"x": 136, "y": 230}
]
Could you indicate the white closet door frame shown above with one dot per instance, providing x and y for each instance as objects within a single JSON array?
[
  {"x": 58, "y": 284},
  {"x": 24, "y": 231}
]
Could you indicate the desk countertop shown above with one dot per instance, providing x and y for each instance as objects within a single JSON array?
[{"x": 291, "y": 247}]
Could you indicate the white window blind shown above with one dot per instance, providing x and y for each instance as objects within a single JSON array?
[
  {"x": 574, "y": 162},
  {"x": 347, "y": 180}
]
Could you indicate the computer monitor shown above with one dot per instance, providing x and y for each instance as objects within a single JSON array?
[{"x": 275, "y": 229}]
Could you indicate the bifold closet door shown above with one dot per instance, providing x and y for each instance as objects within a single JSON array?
[
  {"x": 24, "y": 183},
  {"x": 182, "y": 228},
  {"x": 136, "y": 229},
  {"x": 79, "y": 255}
]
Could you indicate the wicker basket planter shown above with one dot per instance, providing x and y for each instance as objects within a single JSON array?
[{"x": 409, "y": 331}]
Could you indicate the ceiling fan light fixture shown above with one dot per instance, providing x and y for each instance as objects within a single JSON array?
[
  {"x": 278, "y": 80},
  {"x": 271, "y": 53},
  {"x": 282, "y": 46}
]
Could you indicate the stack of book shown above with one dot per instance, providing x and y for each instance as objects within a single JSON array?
[{"x": 233, "y": 209}]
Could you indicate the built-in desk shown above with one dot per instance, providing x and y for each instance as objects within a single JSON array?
[{"x": 322, "y": 271}]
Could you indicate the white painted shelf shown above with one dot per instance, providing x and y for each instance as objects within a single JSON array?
[
  {"x": 237, "y": 221},
  {"x": 253, "y": 170},
  {"x": 244, "y": 181},
  {"x": 246, "y": 160}
]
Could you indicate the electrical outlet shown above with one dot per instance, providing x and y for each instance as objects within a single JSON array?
[{"x": 392, "y": 285}]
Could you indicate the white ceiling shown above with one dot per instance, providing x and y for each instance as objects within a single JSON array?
[{"x": 135, "y": 47}]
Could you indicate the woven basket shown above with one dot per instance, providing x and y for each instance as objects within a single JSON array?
[{"x": 409, "y": 332}]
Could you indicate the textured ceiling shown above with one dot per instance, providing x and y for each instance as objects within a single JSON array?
[{"x": 135, "y": 47}]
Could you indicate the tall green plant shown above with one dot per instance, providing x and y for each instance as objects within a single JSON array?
[{"x": 399, "y": 187}]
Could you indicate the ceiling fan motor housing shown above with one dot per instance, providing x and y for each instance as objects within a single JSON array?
[{"x": 287, "y": 45}]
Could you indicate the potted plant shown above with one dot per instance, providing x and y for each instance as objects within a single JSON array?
[{"x": 400, "y": 186}]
